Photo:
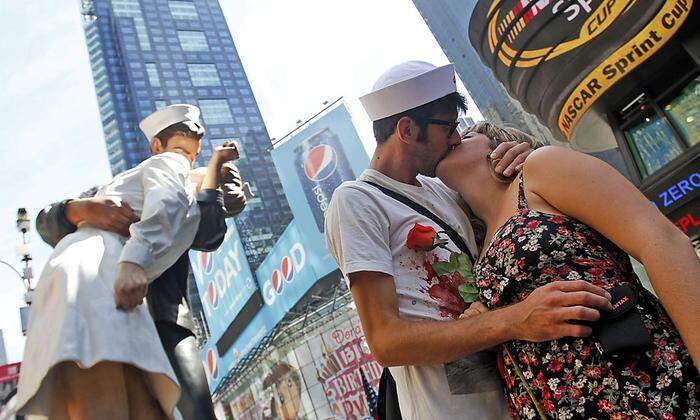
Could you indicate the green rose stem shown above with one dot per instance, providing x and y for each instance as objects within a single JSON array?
[
  {"x": 458, "y": 264},
  {"x": 518, "y": 372}
]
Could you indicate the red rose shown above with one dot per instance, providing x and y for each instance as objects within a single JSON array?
[
  {"x": 533, "y": 224},
  {"x": 548, "y": 406},
  {"x": 605, "y": 405},
  {"x": 574, "y": 393},
  {"x": 670, "y": 357},
  {"x": 555, "y": 365},
  {"x": 644, "y": 378},
  {"x": 421, "y": 238}
]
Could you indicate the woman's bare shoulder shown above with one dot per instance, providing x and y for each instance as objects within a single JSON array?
[
  {"x": 546, "y": 155},
  {"x": 557, "y": 163}
]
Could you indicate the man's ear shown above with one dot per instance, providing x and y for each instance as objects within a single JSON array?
[
  {"x": 156, "y": 146},
  {"x": 406, "y": 130}
]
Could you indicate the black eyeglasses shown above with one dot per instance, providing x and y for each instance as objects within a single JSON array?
[{"x": 452, "y": 124}]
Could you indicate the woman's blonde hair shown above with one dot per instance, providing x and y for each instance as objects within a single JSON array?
[{"x": 497, "y": 135}]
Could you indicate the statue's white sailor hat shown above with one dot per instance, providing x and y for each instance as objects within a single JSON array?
[
  {"x": 407, "y": 86},
  {"x": 172, "y": 114}
]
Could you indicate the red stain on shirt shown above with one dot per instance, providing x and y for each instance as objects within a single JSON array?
[{"x": 444, "y": 290}]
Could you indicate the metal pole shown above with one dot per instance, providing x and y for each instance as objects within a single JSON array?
[
  {"x": 13, "y": 269},
  {"x": 23, "y": 225}
]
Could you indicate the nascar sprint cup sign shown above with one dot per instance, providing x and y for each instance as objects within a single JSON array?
[{"x": 557, "y": 57}]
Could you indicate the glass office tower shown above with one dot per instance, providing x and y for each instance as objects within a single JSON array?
[{"x": 146, "y": 54}]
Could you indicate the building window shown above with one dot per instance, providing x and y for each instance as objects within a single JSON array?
[
  {"x": 184, "y": 10},
  {"x": 684, "y": 112},
  {"x": 659, "y": 129},
  {"x": 153, "y": 78},
  {"x": 204, "y": 75},
  {"x": 192, "y": 41},
  {"x": 652, "y": 143},
  {"x": 216, "y": 111},
  {"x": 160, "y": 104},
  {"x": 132, "y": 9}
]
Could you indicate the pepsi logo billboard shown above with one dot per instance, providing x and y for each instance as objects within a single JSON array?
[
  {"x": 211, "y": 364},
  {"x": 224, "y": 280},
  {"x": 206, "y": 262},
  {"x": 284, "y": 272},
  {"x": 212, "y": 296},
  {"x": 312, "y": 162},
  {"x": 320, "y": 162},
  {"x": 220, "y": 270}
]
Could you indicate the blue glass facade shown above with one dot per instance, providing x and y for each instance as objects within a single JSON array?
[
  {"x": 146, "y": 54},
  {"x": 449, "y": 22}
]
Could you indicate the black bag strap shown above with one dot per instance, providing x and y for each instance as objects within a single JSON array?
[
  {"x": 451, "y": 233},
  {"x": 388, "y": 398}
]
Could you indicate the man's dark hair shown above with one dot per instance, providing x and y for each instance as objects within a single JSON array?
[
  {"x": 180, "y": 129},
  {"x": 384, "y": 128}
]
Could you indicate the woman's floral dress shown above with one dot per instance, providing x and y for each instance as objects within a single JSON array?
[{"x": 571, "y": 377}]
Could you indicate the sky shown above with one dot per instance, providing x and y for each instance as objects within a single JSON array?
[{"x": 297, "y": 54}]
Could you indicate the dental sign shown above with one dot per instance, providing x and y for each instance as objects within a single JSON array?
[
  {"x": 224, "y": 281},
  {"x": 558, "y": 57}
]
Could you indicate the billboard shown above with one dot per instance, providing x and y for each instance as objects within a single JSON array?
[
  {"x": 559, "y": 57},
  {"x": 283, "y": 277},
  {"x": 9, "y": 376},
  {"x": 224, "y": 281},
  {"x": 312, "y": 162},
  {"x": 328, "y": 373}
]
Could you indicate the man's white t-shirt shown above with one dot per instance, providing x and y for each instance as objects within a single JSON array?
[{"x": 366, "y": 230}]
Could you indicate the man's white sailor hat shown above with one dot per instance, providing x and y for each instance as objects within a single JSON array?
[
  {"x": 407, "y": 86},
  {"x": 172, "y": 114}
]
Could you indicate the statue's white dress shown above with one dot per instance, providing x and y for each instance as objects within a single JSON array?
[{"x": 74, "y": 316}]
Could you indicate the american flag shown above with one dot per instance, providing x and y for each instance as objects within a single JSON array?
[{"x": 371, "y": 395}]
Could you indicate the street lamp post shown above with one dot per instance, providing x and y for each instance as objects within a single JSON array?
[{"x": 24, "y": 251}]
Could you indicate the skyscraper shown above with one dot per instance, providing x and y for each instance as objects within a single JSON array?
[
  {"x": 146, "y": 54},
  {"x": 449, "y": 22}
]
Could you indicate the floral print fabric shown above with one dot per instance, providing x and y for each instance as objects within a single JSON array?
[{"x": 572, "y": 377}]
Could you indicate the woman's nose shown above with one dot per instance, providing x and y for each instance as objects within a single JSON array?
[{"x": 455, "y": 139}]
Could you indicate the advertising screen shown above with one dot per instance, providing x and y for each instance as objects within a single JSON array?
[
  {"x": 312, "y": 162},
  {"x": 284, "y": 276},
  {"x": 224, "y": 281}
]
